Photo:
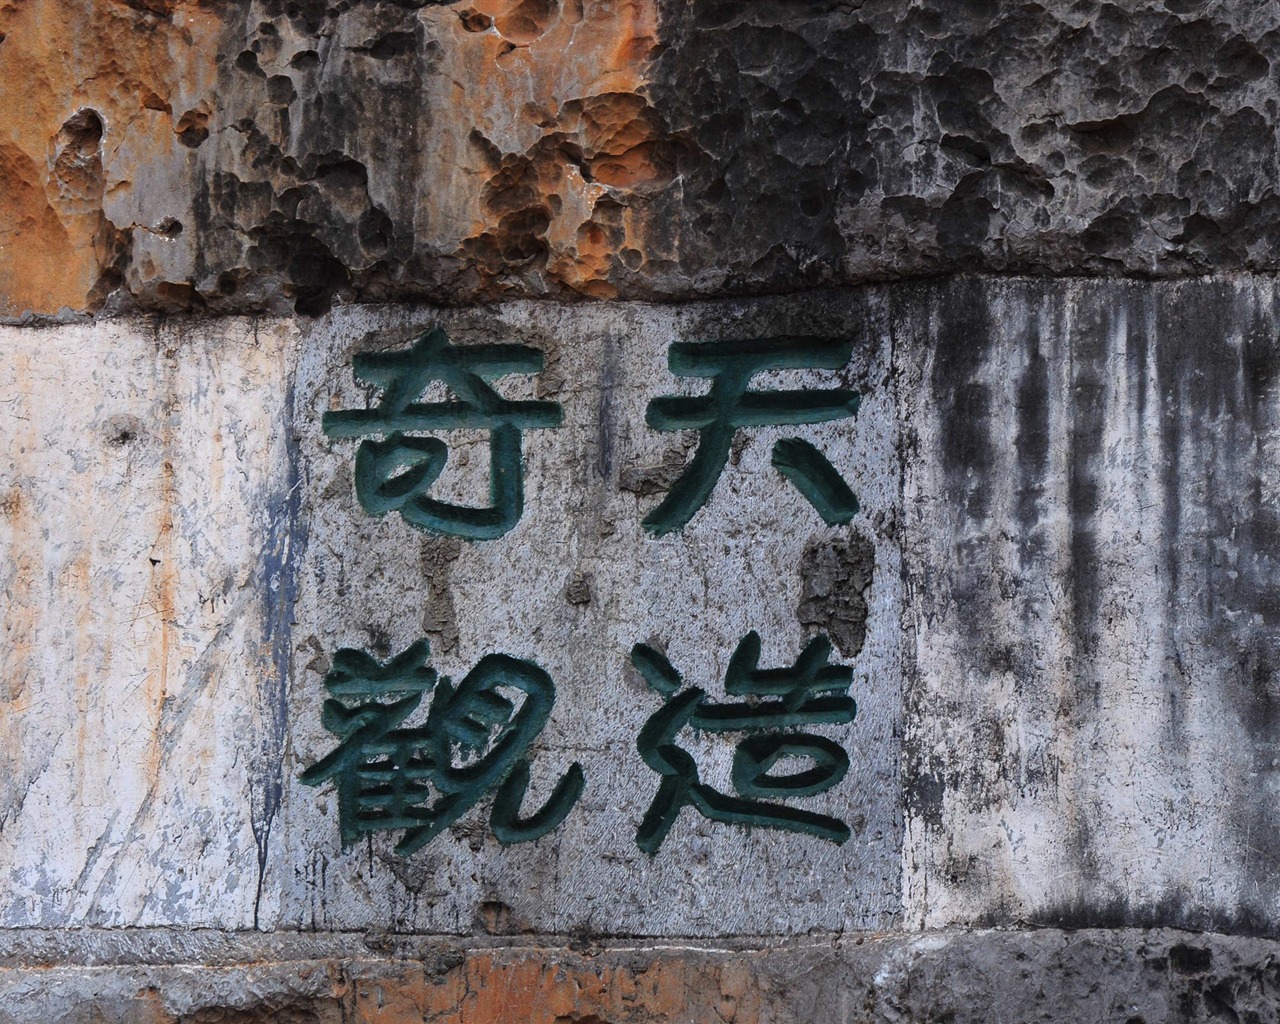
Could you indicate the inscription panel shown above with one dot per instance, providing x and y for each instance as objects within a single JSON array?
[{"x": 720, "y": 503}]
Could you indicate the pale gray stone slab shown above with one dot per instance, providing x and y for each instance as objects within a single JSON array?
[
  {"x": 379, "y": 584},
  {"x": 143, "y": 471}
]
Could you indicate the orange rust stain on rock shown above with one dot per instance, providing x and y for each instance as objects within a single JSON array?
[
  {"x": 563, "y": 150},
  {"x": 19, "y": 528},
  {"x": 73, "y": 78},
  {"x": 405, "y": 996},
  {"x": 163, "y": 599},
  {"x": 534, "y": 986},
  {"x": 86, "y": 668},
  {"x": 537, "y": 988},
  {"x": 22, "y": 551},
  {"x": 22, "y": 594}
]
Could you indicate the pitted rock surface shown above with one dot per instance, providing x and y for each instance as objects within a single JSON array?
[{"x": 285, "y": 156}]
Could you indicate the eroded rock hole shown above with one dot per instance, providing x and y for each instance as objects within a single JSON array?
[
  {"x": 247, "y": 61},
  {"x": 122, "y": 430},
  {"x": 316, "y": 278},
  {"x": 520, "y": 234},
  {"x": 528, "y": 20},
  {"x": 494, "y": 917},
  {"x": 374, "y": 231},
  {"x": 192, "y": 128},
  {"x": 78, "y": 167},
  {"x": 280, "y": 90},
  {"x": 474, "y": 21},
  {"x": 342, "y": 173},
  {"x": 392, "y": 45}
]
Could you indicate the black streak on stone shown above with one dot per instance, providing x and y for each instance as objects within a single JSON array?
[
  {"x": 1032, "y": 446},
  {"x": 961, "y": 394},
  {"x": 963, "y": 397},
  {"x": 1089, "y": 348},
  {"x": 281, "y": 555}
]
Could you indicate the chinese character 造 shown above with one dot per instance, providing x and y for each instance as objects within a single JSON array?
[
  {"x": 810, "y": 692},
  {"x": 394, "y": 475},
  {"x": 422, "y": 779},
  {"x": 719, "y": 413}
]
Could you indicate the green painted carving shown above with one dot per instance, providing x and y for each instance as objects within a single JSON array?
[
  {"x": 728, "y": 406},
  {"x": 810, "y": 692},
  {"x": 815, "y": 478},
  {"x": 392, "y": 778},
  {"x": 395, "y": 474}
]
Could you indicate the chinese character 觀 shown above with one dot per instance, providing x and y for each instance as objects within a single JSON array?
[{"x": 421, "y": 779}]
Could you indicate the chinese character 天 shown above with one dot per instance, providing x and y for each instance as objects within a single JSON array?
[
  {"x": 421, "y": 779},
  {"x": 810, "y": 692},
  {"x": 396, "y": 474},
  {"x": 728, "y": 405}
]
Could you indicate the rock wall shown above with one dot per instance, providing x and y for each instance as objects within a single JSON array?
[
  {"x": 627, "y": 511},
  {"x": 270, "y": 156}
]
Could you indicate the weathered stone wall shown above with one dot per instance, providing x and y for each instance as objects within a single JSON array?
[
  {"x": 268, "y": 155},
  {"x": 1055, "y": 604}
]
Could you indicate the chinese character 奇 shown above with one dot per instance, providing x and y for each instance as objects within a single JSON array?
[
  {"x": 422, "y": 779},
  {"x": 810, "y": 692},
  {"x": 396, "y": 474}
]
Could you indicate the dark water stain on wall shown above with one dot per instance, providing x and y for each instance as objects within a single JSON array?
[
  {"x": 1098, "y": 576},
  {"x": 959, "y": 390},
  {"x": 278, "y": 563}
]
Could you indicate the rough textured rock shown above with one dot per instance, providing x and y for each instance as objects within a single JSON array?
[
  {"x": 1046, "y": 977},
  {"x": 275, "y": 156},
  {"x": 271, "y": 156},
  {"x": 98, "y": 99},
  {"x": 1059, "y": 598},
  {"x": 847, "y": 141}
]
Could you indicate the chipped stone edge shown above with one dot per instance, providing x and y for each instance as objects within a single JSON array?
[{"x": 26, "y": 948}]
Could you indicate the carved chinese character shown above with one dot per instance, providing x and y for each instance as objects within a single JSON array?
[
  {"x": 421, "y": 779},
  {"x": 719, "y": 413},
  {"x": 396, "y": 474},
  {"x": 810, "y": 692}
]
